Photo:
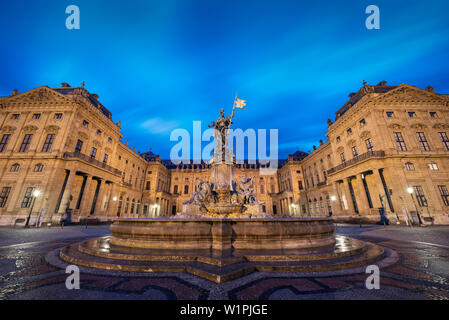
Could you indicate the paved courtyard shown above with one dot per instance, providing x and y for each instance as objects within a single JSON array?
[{"x": 30, "y": 269}]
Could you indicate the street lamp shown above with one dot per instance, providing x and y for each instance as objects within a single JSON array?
[
  {"x": 333, "y": 198},
  {"x": 35, "y": 194}
]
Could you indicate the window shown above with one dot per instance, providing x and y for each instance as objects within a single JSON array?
[
  {"x": 120, "y": 157},
  {"x": 5, "y": 194},
  {"x": 400, "y": 141},
  {"x": 300, "y": 186},
  {"x": 369, "y": 145},
  {"x": 26, "y": 143},
  {"x": 422, "y": 201},
  {"x": 342, "y": 157},
  {"x": 390, "y": 114},
  {"x": 433, "y": 166},
  {"x": 423, "y": 141},
  {"x": 349, "y": 131},
  {"x": 273, "y": 190},
  {"x": 175, "y": 189},
  {"x": 36, "y": 116},
  {"x": 15, "y": 167},
  {"x": 444, "y": 139},
  {"x": 409, "y": 166},
  {"x": 354, "y": 152},
  {"x": 133, "y": 203},
  {"x": 58, "y": 116},
  {"x": 105, "y": 159},
  {"x": 39, "y": 167},
  {"x": 4, "y": 142},
  {"x": 109, "y": 140},
  {"x": 443, "y": 192},
  {"x": 93, "y": 153},
  {"x": 362, "y": 122},
  {"x": 412, "y": 115},
  {"x": 85, "y": 123},
  {"x": 338, "y": 139},
  {"x": 79, "y": 146},
  {"x": 48, "y": 143},
  {"x": 15, "y": 116},
  {"x": 28, "y": 198},
  {"x": 186, "y": 189},
  {"x": 433, "y": 114},
  {"x": 262, "y": 189},
  {"x": 98, "y": 132}
]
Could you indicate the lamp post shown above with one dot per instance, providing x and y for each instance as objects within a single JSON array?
[{"x": 35, "y": 194}]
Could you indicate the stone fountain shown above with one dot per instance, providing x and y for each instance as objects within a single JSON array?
[{"x": 223, "y": 233}]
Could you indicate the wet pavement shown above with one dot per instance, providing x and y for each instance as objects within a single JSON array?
[{"x": 30, "y": 269}]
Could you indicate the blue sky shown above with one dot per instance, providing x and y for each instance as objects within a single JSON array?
[{"x": 158, "y": 65}]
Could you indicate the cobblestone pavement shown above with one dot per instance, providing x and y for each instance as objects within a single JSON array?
[{"x": 422, "y": 271}]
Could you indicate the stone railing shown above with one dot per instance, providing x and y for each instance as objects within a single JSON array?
[
  {"x": 362, "y": 157},
  {"x": 77, "y": 155}
]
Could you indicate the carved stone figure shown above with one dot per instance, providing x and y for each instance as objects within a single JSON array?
[
  {"x": 245, "y": 190},
  {"x": 202, "y": 194},
  {"x": 221, "y": 132}
]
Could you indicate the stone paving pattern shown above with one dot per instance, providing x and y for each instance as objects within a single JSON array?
[{"x": 422, "y": 271}]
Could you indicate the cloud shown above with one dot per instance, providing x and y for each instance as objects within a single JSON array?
[{"x": 159, "y": 126}]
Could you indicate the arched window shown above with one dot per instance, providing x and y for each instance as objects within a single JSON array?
[
  {"x": 119, "y": 209},
  {"x": 39, "y": 167},
  {"x": 132, "y": 206},
  {"x": 15, "y": 167},
  {"x": 126, "y": 205}
]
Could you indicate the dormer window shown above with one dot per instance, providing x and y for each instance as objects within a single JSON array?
[
  {"x": 349, "y": 131},
  {"x": 390, "y": 114},
  {"x": 85, "y": 123},
  {"x": 412, "y": 115},
  {"x": 433, "y": 114},
  {"x": 362, "y": 122},
  {"x": 58, "y": 116},
  {"x": 98, "y": 132}
]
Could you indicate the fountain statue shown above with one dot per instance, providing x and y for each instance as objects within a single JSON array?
[
  {"x": 222, "y": 233},
  {"x": 223, "y": 197}
]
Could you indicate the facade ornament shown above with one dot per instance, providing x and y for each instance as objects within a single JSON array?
[
  {"x": 52, "y": 129},
  {"x": 367, "y": 88},
  {"x": 30, "y": 128}
]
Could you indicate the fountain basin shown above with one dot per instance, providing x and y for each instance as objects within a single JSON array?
[{"x": 223, "y": 234}]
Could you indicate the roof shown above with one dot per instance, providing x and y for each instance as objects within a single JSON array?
[{"x": 66, "y": 89}]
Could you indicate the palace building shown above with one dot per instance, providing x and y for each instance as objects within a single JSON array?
[{"x": 388, "y": 147}]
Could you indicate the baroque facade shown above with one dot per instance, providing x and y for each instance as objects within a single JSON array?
[{"x": 385, "y": 141}]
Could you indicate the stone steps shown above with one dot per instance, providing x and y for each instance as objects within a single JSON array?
[{"x": 97, "y": 253}]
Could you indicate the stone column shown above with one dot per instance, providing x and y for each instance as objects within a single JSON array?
[
  {"x": 100, "y": 197},
  {"x": 336, "y": 205},
  {"x": 362, "y": 200},
  {"x": 348, "y": 197},
  {"x": 84, "y": 210},
  {"x": 67, "y": 193},
  {"x": 379, "y": 189}
]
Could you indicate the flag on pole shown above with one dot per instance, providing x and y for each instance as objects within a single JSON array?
[{"x": 240, "y": 103}]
